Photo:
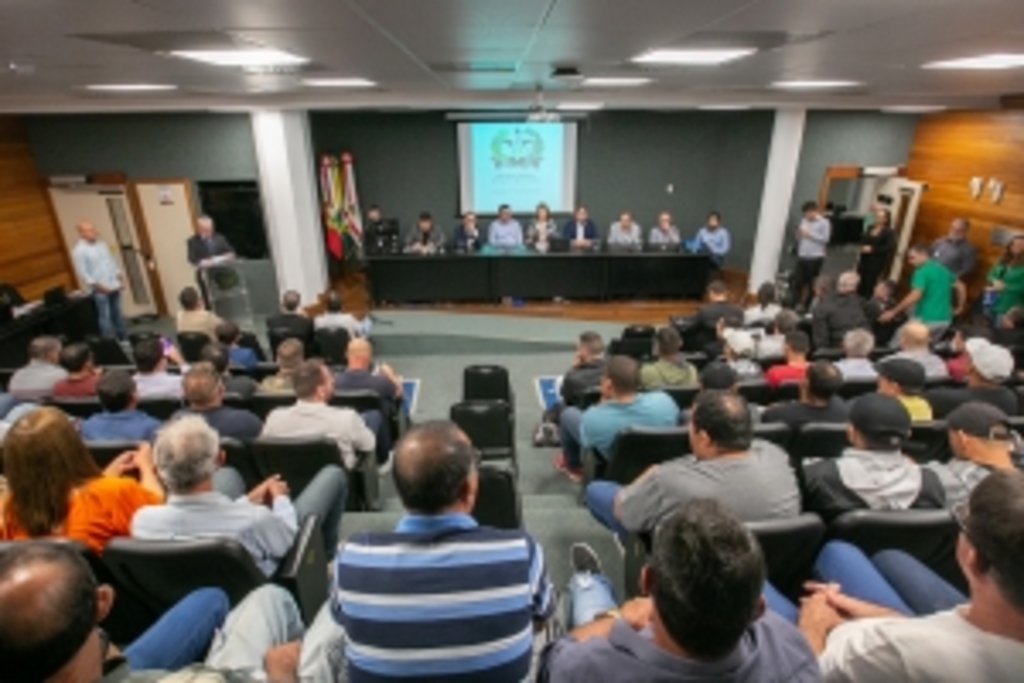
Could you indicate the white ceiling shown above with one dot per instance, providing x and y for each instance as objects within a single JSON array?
[{"x": 420, "y": 51}]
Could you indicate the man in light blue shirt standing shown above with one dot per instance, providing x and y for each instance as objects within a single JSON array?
[
  {"x": 714, "y": 239},
  {"x": 813, "y": 235},
  {"x": 100, "y": 273},
  {"x": 505, "y": 232}
]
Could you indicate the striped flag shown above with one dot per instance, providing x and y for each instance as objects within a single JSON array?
[
  {"x": 331, "y": 200},
  {"x": 351, "y": 217}
]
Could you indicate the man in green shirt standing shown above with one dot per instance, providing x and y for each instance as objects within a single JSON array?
[{"x": 931, "y": 292}]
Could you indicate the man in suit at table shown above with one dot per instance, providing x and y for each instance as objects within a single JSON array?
[
  {"x": 206, "y": 244},
  {"x": 580, "y": 231}
]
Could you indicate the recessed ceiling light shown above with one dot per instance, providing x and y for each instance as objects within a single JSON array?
[
  {"x": 244, "y": 57},
  {"x": 914, "y": 108},
  {"x": 724, "y": 107},
  {"x": 996, "y": 61},
  {"x": 131, "y": 87},
  {"x": 338, "y": 82},
  {"x": 616, "y": 82},
  {"x": 707, "y": 57},
  {"x": 580, "y": 106},
  {"x": 810, "y": 84}
]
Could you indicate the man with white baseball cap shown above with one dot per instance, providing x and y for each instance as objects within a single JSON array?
[
  {"x": 738, "y": 349},
  {"x": 988, "y": 366}
]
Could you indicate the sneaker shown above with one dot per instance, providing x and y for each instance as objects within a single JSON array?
[
  {"x": 576, "y": 474},
  {"x": 384, "y": 468},
  {"x": 584, "y": 560}
]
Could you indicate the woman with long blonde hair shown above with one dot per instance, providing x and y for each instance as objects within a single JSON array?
[{"x": 55, "y": 488}]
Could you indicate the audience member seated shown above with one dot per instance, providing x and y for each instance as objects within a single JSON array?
[
  {"x": 216, "y": 354},
  {"x": 904, "y": 380},
  {"x": 415, "y": 601},
  {"x": 914, "y": 339},
  {"x": 243, "y": 357},
  {"x": 193, "y": 316},
  {"x": 773, "y": 343},
  {"x": 982, "y": 440},
  {"x": 873, "y": 473},
  {"x": 264, "y": 520},
  {"x": 121, "y": 420},
  {"x": 151, "y": 377},
  {"x": 956, "y": 364},
  {"x": 12, "y": 411},
  {"x": 857, "y": 347},
  {"x": 718, "y": 376},
  {"x": 311, "y": 417},
  {"x": 752, "y": 478},
  {"x": 671, "y": 369},
  {"x": 55, "y": 488},
  {"x": 334, "y": 318},
  {"x": 704, "y": 618},
  {"x": 713, "y": 315},
  {"x": 838, "y": 313},
  {"x": 1009, "y": 330},
  {"x": 586, "y": 371},
  {"x": 796, "y": 348},
  {"x": 988, "y": 366},
  {"x": 291, "y": 319},
  {"x": 767, "y": 307},
  {"x": 290, "y": 354},
  {"x": 51, "y": 609},
  {"x": 981, "y": 640},
  {"x": 738, "y": 347},
  {"x": 883, "y": 299},
  {"x": 360, "y": 375},
  {"x": 204, "y": 395},
  {"x": 621, "y": 406},
  {"x": 82, "y": 374},
  {"x": 818, "y": 402},
  {"x": 36, "y": 380}
]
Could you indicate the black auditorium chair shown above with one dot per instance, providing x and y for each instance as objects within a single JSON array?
[
  {"x": 359, "y": 400},
  {"x": 104, "y": 452},
  {"x": 818, "y": 440},
  {"x": 790, "y": 547},
  {"x": 262, "y": 370},
  {"x": 163, "y": 572},
  {"x": 299, "y": 460},
  {"x": 77, "y": 407},
  {"x": 333, "y": 343},
  {"x": 237, "y": 401},
  {"x": 697, "y": 359},
  {"x": 107, "y": 351},
  {"x": 777, "y": 433},
  {"x": 929, "y": 441},
  {"x": 639, "y": 332},
  {"x": 490, "y": 426},
  {"x": 831, "y": 355},
  {"x": 770, "y": 362},
  {"x": 940, "y": 383},
  {"x": 787, "y": 391},
  {"x": 162, "y": 408},
  {"x": 238, "y": 456},
  {"x": 191, "y": 345},
  {"x": 928, "y": 535},
  {"x": 590, "y": 397},
  {"x": 5, "y": 377},
  {"x": 1017, "y": 424},
  {"x": 486, "y": 383},
  {"x": 852, "y": 388},
  {"x": 634, "y": 450},
  {"x": 249, "y": 340},
  {"x": 497, "y": 502},
  {"x": 637, "y": 348},
  {"x": 757, "y": 391},
  {"x": 276, "y": 335},
  {"x": 135, "y": 337},
  {"x": 263, "y": 403},
  {"x": 683, "y": 396}
]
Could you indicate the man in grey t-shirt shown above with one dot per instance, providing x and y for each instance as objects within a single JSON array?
[{"x": 753, "y": 479}]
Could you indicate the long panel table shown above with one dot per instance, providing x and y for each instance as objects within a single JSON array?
[
  {"x": 461, "y": 278},
  {"x": 74, "y": 320}
]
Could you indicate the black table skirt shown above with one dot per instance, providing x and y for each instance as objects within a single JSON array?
[{"x": 73, "y": 320}]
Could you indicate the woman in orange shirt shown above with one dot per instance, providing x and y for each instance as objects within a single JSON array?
[{"x": 55, "y": 487}]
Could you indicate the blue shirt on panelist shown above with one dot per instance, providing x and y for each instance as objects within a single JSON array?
[{"x": 505, "y": 233}]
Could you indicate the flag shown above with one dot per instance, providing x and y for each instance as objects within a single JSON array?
[
  {"x": 351, "y": 216},
  {"x": 331, "y": 204}
]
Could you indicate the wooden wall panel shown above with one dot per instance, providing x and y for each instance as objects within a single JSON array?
[
  {"x": 32, "y": 255},
  {"x": 950, "y": 149}
]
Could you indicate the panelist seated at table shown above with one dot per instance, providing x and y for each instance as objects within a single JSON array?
[
  {"x": 505, "y": 232},
  {"x": 713, "y": 238},
  {"x": 542, "y": 230},
  {"x": 467, "y": 236},
  {"x": 580, "y": 231},
  {"x": 207, "y": 245},
  {"x": 624, "y": 234},
  {"x": 426, "y": 238},
  {"x": 381, "y": 236},
  {"x": 665, "y": 233}
]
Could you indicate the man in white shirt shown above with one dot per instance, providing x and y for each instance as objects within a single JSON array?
[
  {"x": 152, "y": 378},
  {"x": 334, "y": 318},
  {"x": 857, "y": 345},
  {"x": 624, "y": 232},
  {"x": 665, "y": 232},
  {"x": 981, "y": 640},
  {"x": 915, "y": 345},
  {"x": 312, "y": 417},
  {"x": 813, "y": 235},
  {"x": 100, "y": 274},
  {"x": 265, "y": 521}
]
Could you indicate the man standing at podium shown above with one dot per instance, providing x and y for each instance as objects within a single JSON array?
[
  {"x": 100, "y": 274},
  {"x": 206, "y": 244}
]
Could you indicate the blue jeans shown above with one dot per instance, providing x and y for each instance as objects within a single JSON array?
[
  {"x": 108, "y": 310},
  {"x": 183, "y": 634},
  {"x": 779, "y": 603},
  {"x": 920, "y": 588},
  {"x": 324, "y": 497},
  {"x": 587, "y": 596},
  {"x": 600, "y": 499},
  {"x": 569, "y": 433},
  {"x": 379, "y": 426}
]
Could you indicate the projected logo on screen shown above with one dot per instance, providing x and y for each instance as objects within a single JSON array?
[{"x": 517, "y": 148}]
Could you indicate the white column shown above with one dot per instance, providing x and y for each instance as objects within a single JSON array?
[
  {"x": 284, "y": 155},
  {"x": 779, "y": 181}
]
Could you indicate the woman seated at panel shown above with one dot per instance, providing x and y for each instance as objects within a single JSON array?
[
  {"x": 541, "y": 230},
  {"x": 55, "y": 488}
]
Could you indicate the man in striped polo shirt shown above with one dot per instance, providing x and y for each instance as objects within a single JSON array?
[{"x": 440, "y": 598}]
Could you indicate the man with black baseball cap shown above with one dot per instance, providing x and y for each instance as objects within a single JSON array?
[
  {"x": 981, "y": 439},
  {"x": 904, "y": 380},
  {"x": 873, "y": 473},
  {"x": 988, "y": 366}
]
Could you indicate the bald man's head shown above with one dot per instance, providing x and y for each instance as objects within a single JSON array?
[
  {"x": 359, "y": 354},
  {"x": 87, "y": 231},
  {"x": 914, "y": 336},
  {"x": 435, "y": 469},
  {"x": 49, "y": 608}
]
